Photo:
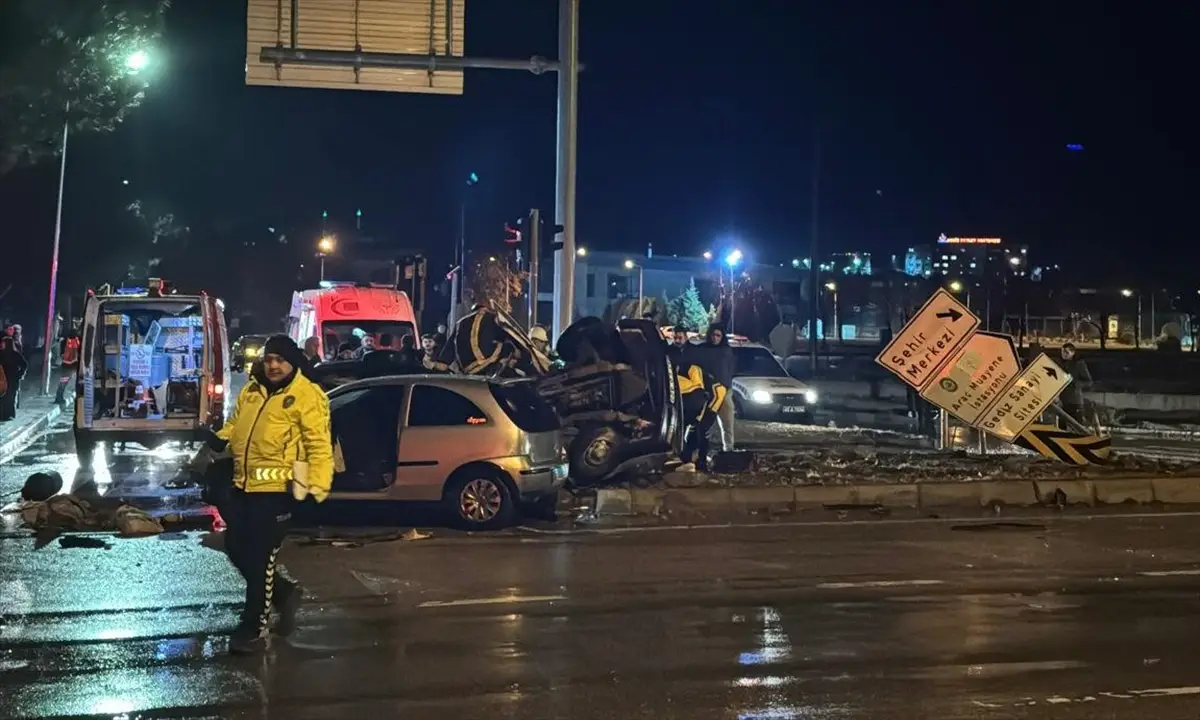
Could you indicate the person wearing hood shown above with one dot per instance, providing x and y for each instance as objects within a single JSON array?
[
  {"x": 715, "y": 357},
  {"x": 279, "y": 437}
]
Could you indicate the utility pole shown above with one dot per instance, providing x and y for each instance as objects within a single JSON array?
[
  {"x": 564, "y": 184},
  {"x": 567, "y": 67},
  {"x": 814, "y": 264},
  {"x": 535, "y": 222}
]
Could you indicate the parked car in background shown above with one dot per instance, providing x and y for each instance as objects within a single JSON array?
[
  {"x": 763, "y": 390},
  {"x": 480, "y": 448}
]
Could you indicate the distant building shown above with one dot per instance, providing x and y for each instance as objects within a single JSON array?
[{"x": 967, "y": 257}]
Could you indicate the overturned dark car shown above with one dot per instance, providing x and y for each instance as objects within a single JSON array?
[{"x": 614, "y": 388}]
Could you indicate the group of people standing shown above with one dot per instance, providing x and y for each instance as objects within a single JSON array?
[{"x": 705, "y": 380}]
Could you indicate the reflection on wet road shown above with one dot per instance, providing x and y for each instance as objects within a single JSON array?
[{"x": 1079, "y": 619}]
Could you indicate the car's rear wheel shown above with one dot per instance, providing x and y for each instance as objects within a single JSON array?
[{"x": 477, "y": 497}]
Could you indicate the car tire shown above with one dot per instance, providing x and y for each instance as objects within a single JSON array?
[
  {"x": 594, "y": 454},
  {"x": 478, "y": 497},
  {"x": 738, "y": 412}
]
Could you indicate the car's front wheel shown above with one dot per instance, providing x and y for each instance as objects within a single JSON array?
[{"x": 477, "y": 497}]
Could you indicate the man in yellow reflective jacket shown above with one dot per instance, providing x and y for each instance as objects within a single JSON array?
[
  {"x": 702, "y": 399},
  {"x": 279, "y": 437}
]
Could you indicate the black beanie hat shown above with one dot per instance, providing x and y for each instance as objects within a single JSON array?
[{"x": 286, "y": 348}]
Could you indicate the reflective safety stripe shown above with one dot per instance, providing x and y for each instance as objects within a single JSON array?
[
  {"x": 278, "y": 474},
  {"x": 264, "y": 617}
]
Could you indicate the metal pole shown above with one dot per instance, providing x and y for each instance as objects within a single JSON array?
[
  {"x": 943, "y": 442},
  {"x": 641, "y": 290},
  {"x": 1153, "y": 321},
  {"x": 1137, "y": 343},
  {"x": 535, "y": 221},
  {"x": 732, "y": 301},
  {"x": 837, "y": 327},
  {"x": 564, "y": 182},
  {"x": 460, "y": 256},
  {"x": 48, "y": 345},
  {"x": 814, "y": 265},
  {"x": 322, "y": 268}
]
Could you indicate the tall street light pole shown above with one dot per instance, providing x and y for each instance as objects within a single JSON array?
[
  {"x": 134, "y": 63},
  {"x": 457, "y": 279},
  {"x": 564, "y": 206},
  {"x": 325, "y": 246},
  {"x": 630, "y": 265}
]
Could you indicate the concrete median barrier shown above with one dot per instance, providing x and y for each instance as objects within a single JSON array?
[{"x": 708, "y": 500}]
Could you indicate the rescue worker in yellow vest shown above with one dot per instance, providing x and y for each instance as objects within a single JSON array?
[
  {"x": 279, "y": 437},
  {"x": 702, "y": 397}
]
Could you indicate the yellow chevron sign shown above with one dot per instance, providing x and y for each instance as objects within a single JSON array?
[{"x": 1069, "y": 447}]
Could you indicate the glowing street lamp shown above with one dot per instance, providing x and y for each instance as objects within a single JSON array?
[
  {"x": 629, "y": 265},
  {"x": 137, "y": 60},
  {"x": 325, "y": 246},
  {"x": 134, "y": 62},
  {"x": 1127, "y": 292},
  {"x": 733, "y": 258},
  {"x": 956, "y": 286},
  {"x": 581, "y": 252},
  {"x": 708, "y": 254}
]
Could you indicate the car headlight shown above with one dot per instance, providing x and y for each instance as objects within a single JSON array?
[
  {"x": 810, "y": 397},
  {"x": 762, "y": 397}
]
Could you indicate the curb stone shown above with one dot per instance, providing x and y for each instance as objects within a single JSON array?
[
  {"x": 973, "y": 495},
  {"x": 11, "y": 446}
]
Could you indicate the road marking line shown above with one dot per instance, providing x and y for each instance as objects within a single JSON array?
[
  {"x": 501, "y": 600},
  {"x": 878, "y": 584},
  {"x": 1168, "y": 573}
]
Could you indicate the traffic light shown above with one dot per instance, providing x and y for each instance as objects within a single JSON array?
[
  {"x": 324, "y": 214},
  {"x": 512, "y": 235}
]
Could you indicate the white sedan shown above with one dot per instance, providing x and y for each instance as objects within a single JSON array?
[{"x": 762, "y": 389}]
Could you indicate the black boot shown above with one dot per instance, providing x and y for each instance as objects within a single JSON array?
[{"x": 246, "y": 641}]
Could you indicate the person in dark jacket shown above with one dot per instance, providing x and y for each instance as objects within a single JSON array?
[
  {"x": 715, "y": 357},
  {"x": 14, "y": 365}
]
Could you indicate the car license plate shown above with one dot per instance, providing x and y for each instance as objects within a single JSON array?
[{"x": 793, "y": 408}]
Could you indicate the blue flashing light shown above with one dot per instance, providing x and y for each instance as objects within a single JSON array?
[
  {"x": 132, "y": 291},
  {"x": 325, "y": 284},
  {"x": 1074, "y": 147}
]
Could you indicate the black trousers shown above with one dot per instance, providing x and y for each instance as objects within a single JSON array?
[
  {"x": 256, "y": 524},
  {"x": 695, "y": 441}
]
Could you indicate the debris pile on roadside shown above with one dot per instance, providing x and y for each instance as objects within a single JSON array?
[{"x": 860, "y": 464}]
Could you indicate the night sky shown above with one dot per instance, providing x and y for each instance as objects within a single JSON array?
[{"x": 696, "y": 123}]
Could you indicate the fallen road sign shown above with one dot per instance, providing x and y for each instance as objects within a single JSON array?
[
  {"x": 1069, "y": 447},
  {"x": 975, "y": 376},
  {"x": 929, "y": 339},
  {"x": 1029, "y": 395}
]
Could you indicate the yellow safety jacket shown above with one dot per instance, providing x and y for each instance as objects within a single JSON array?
[
  {"x": 695, "y": 380},
  {"x": 269, "y": 434}
]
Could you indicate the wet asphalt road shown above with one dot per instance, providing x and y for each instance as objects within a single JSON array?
[{"x": 1068, "y": 617}]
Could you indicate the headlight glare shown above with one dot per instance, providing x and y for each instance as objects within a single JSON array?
[
  {"x": 810, "y": 397},
  {"x": 762, "y": 397}
]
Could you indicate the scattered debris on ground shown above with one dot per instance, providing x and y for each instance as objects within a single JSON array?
[{"x": 865, "y": 465}]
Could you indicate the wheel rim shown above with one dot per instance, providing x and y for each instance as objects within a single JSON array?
[
  {"x": 480, "y": 500},
  {"x": 597, "y": 452}
]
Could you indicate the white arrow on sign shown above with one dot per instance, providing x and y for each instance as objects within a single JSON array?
[
  {"x": 1029, "y": 395},
  {"x": 975, "y": 376},
  {"x": 929, "y": 339}
]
